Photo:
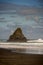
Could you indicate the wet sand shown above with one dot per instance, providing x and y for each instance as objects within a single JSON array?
[{"x": 11, "y": 58}]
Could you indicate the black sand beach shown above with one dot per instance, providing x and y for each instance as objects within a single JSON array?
[{"x": 11, "y": 58}]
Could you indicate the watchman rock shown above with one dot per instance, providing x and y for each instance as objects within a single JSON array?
[{"x": 17, "y": 36}]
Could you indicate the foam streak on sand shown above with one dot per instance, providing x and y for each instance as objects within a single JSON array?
[{"x": 34, "y": 48}]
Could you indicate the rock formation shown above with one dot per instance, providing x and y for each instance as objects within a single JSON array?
[{"x": 17, "y": 36}]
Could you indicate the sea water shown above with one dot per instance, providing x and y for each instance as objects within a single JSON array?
[{"x": 31, "y": 24}]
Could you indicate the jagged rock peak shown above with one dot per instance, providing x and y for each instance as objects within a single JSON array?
[{"x": 17, "y": 36}]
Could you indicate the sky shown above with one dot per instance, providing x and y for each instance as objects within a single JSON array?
[
  {"x": 34, "y": 3},
  {"x": 29, "y": 18}
]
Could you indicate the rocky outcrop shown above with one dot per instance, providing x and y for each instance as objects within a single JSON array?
[{"x": 17, "y": 36}]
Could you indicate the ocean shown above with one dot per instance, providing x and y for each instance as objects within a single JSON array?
[{"x": 31, "y": 24}]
